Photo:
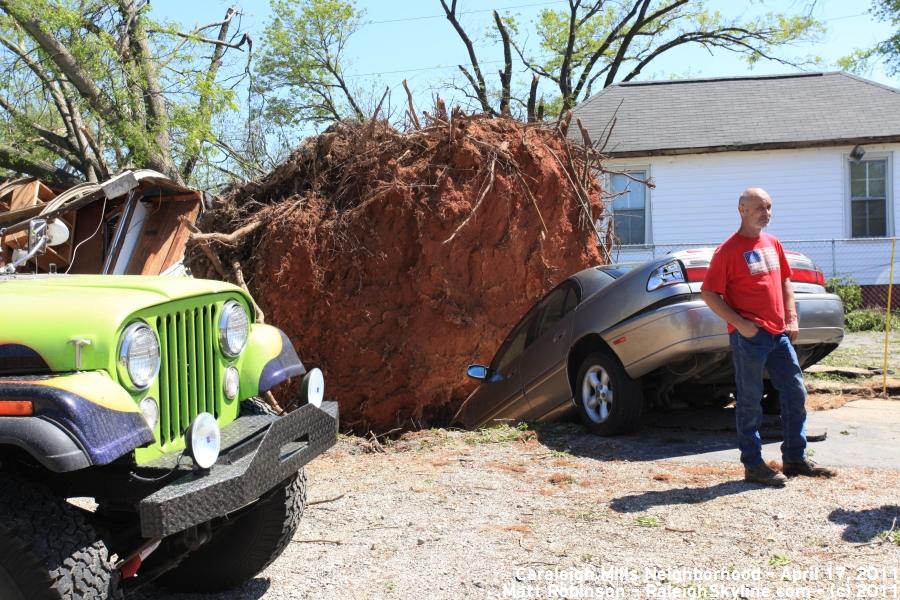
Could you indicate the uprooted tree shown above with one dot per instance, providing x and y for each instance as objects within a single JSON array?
[
  {"x": 400, "y": 257},
  {"x": 91, "y": 87},
  {"x": 592, "y": 44}
]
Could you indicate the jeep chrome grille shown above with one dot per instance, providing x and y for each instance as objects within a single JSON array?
[{"x": 189, "y": 373}]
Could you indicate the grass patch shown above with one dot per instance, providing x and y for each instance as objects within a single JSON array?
[
  {"x": 590, "y": 515},
  {"x": 647, "y": 521},
  {"x": 499, "y": 434},
  {"x": 561, "y": 478},
  {"x": 869, "y": 319},
  {"x": 891, "y": 537},
  {"x": 779, "y": 560},
  {"x": 559, "y": 454}
]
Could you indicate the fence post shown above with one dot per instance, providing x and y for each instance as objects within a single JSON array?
[
  {"x": 833, "y": 259},
  {"x": 887, "y": 320}
]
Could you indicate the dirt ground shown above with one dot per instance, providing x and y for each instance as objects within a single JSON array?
[
  {"x": 550, "y": 511},
  {"x": 522, "y": 514}
]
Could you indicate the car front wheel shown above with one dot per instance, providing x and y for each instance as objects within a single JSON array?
[{"x": 608, "y": 400}]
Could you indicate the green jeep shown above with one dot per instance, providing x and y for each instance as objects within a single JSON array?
[{"x": 133, "y": 445}]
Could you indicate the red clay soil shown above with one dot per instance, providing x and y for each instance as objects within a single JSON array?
[{"x": 353, "y": 261}]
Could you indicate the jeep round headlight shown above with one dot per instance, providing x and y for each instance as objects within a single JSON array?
[
  {"x": 234, "y": 327},
  {"x": 138, "y": 361}
]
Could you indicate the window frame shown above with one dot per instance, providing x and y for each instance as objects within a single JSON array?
[
  {"x": 648, "y": 202},
  {"x": 570, "y": 286},
  {"x": 888, "y": 157},
  {"x": 527, "y": 322}
]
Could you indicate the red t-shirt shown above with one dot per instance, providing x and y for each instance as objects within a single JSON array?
[{"x": 749, "y": 274}]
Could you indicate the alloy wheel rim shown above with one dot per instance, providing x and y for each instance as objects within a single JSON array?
[{"x": 597, "y": 394}]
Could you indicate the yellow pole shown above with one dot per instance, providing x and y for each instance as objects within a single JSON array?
[{"x": 887, "y": 321}]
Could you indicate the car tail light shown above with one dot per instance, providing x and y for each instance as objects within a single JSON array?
[
  {"x": 695, "y": 274},
  {"x": 808, "y": 276},
  {"x": 668, "y": 274}
]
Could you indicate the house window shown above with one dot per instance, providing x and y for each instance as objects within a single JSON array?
[
  {"x": 869, "y": 198},
  {"x": 629, "y": 204}
]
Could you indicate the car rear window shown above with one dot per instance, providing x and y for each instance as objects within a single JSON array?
[{"x": 617, "y": 271}]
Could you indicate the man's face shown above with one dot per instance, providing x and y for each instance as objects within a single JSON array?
[{"x": 756, "y": 211}]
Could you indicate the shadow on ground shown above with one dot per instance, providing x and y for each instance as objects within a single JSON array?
[
  {"x": 866, "y": 525},
  {"x": 252, "y": 590},
  {"x": 673, "y": 434},
  {"x": 636, "y": 503}
]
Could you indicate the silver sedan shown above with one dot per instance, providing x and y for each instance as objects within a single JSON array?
[{"x": 611, "y": 341}]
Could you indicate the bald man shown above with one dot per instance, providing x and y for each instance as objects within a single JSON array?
[{"x": 748, "y": 284}]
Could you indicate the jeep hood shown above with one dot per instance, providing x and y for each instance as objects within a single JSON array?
[{"x": 42, "y": 315}]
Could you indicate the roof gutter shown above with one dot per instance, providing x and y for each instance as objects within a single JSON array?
[{"x": 739, "y": 147}]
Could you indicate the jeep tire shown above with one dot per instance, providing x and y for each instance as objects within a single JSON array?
[
  {"x": 242, "y": 548},
  {"x": 48, "y": 550}
]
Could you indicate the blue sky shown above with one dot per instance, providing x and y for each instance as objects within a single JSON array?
[{"x": 411, "y": 39}]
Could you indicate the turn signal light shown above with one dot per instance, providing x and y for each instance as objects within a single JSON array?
[{"x": 16, "y": 408}]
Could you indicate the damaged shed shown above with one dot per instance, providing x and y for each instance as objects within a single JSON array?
[{"x": 136, "y": 223}]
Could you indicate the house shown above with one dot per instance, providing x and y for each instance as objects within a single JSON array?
[{"x": 824, "y": 145}]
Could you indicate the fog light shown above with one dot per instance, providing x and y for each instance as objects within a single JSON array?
[
  {"x": 232, "y": 383},
  {"x": 203, "y": 440},
  {"x": 150, "y": 410},
  {"x": 313, "y": 387}
]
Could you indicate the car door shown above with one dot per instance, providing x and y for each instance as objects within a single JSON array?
[
  {"x": 545, "y": 378},
  {"x": 500, "y": 397}
]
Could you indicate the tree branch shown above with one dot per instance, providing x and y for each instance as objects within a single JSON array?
[
  {"x": 478, "y": 81},
  {"x": 155, "y": 101},
  {"x": 15, "y": 160},
  {"x": 613, "y": 35},
  {"x": 506, "y": 73},
  {"x": 626, "y": 41},
  {"x": 61, "y": 143},
  {"x": 204, "y": 104},
  {"x": 49, "y": 84}
]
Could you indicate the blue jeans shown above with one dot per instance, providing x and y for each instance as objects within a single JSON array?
[{"x": 775, "y": 354}]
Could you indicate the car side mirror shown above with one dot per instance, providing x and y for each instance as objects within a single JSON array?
[{"x": 478, "y": 372}]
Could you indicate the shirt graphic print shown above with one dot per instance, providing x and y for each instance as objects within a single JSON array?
[{"x": 762, "y": 260}]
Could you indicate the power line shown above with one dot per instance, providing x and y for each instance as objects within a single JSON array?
[
  {"x": 845, "y": 17},
  {"x": 466, "y": 12},
  {"x": 434, "y": 68}
]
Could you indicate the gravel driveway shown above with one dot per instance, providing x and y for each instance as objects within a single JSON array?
[{"x": 558, "y": 513}]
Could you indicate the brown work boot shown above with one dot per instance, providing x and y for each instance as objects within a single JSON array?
[
  {"x": 765, "y": 475},
  {"x": 807, "y": 468}
]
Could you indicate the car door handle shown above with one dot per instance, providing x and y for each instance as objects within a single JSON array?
[{"x": 557, "y": 337}]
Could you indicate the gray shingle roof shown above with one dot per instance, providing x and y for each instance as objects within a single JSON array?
[{"x": 742, "y": 113}]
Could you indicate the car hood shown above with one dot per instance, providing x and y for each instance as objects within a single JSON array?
[{"x": 45, "y": 315}]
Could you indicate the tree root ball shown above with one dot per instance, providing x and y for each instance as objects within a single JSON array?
[{"x": 354, "y": 263}]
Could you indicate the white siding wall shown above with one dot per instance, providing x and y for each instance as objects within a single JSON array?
[{"x": 695, "y": 201}]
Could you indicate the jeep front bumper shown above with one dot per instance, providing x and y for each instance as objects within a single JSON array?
[{"x": 259, "y": 452}]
